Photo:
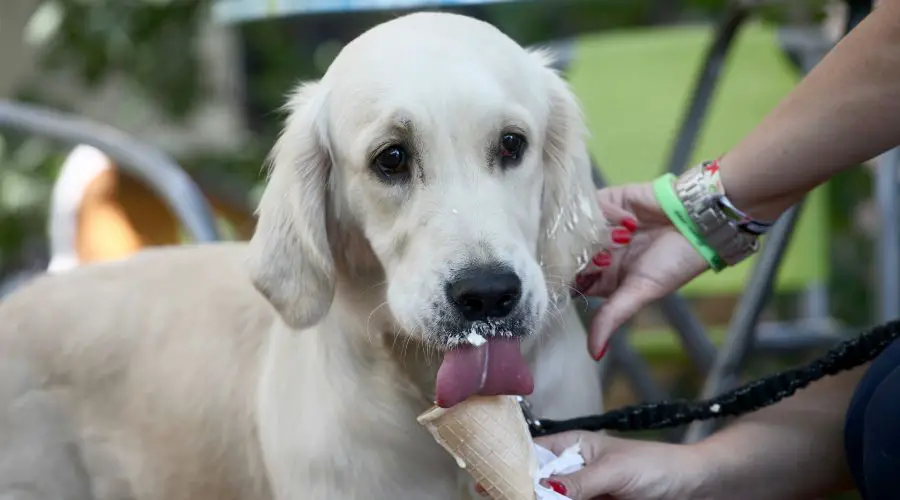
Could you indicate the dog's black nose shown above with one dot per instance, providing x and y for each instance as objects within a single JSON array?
[{"x": 480, "y": 293}]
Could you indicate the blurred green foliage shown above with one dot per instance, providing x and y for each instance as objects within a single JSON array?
[{"x": 150, "y": 42}]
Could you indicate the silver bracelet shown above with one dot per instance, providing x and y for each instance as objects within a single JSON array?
[{"x": 725, "y": 230}]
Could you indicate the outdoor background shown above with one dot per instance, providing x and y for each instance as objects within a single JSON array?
[{"x": 207, "y": 92}]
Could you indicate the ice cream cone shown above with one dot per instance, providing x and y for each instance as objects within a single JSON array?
[{"x": 488, "y": 436}]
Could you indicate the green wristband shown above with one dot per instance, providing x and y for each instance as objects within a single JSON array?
[{"x": 664, "y": 189}]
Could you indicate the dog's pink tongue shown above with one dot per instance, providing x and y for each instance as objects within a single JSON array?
[{"x": 496, "y": 367}]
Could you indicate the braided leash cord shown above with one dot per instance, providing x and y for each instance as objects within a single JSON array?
[{"x": 745, "y": 399}]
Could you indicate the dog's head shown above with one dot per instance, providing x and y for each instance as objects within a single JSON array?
[{"x": 441, "y": 155}]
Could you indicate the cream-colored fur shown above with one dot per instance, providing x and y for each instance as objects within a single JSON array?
[{"x": 176, "y": 374}]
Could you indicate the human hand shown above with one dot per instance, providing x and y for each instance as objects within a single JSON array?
[
  {"x": 651, "y": 260},
  {"x": 626, "y": 469}
]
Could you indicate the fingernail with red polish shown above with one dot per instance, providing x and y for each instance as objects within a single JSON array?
[
  {"x": 602, "y": 259},
  {"x": 602, "y": 353},
  {"x": 621, "y": 236},
  {"x": 557, "y": 486},
  {"x": 630, "y": 224}
]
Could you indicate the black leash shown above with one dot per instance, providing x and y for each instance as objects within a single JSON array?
[{"x": 748, "y": 398}]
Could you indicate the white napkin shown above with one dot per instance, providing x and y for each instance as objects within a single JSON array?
[{"x": 550, "y": 465}]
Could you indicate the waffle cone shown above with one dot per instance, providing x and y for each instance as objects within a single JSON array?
[{"x": 488, "y": 436}]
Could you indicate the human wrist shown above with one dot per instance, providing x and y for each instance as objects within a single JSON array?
[
  {"x": 728, "y": 230},
  {"x": 720, "y": 473},
  {"x": 698, "y": 207},
  {"x": 702, "y": 475},
  {"x": 674, "y": 207},
  {"x": 746, "y": 194},
  {"x": 745, "y": 475}
]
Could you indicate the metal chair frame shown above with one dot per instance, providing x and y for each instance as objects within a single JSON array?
[{"x": 722, "y": 367}]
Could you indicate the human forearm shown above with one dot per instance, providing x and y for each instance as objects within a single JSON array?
[
  {"x": 846, "y": 111},
  {"x": 792, "y": 450}
]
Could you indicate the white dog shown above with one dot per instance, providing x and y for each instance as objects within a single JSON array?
[{"x": 431, "y": 189}]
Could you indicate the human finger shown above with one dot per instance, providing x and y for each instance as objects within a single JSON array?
[
  {"x": 621, "y": 305},
  {"x": 589, "y": 483}
]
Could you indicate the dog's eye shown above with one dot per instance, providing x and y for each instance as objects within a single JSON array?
[
  {"x": 392, "y": 164},
  {"x": 511, "y": 148}
]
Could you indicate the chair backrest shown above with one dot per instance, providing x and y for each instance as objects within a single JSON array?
[{"x": 634, "y": 86}]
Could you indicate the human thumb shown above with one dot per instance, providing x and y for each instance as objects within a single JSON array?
[
  {"x": 586, "y": 484},
  {"x": 624, "y": 303}
]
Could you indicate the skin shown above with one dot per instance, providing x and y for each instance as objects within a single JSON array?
[{"x": 844, "y": 112}]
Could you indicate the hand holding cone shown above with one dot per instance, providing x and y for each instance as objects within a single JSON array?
[{"x": 488, "y": 436}]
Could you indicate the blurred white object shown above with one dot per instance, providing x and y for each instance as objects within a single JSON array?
[
  {"x": 81, "y": 167},
  {"x": 550, "y": 465}
]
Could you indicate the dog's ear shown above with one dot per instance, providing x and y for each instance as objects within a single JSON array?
[
  {"x": 291, "y": 262},
  {"x": 572, "y": 226}
]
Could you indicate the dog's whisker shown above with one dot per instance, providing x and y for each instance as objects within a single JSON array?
[
  {"x": 395, "y": 337},
  {"x": 369, "y": 319},
  {"x": 555, "y": 315},
  {"x": 379, "y": 284}
]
